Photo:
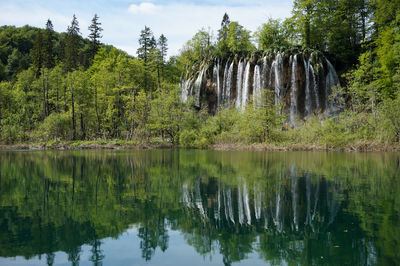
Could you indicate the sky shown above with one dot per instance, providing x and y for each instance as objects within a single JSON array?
[{"x": 122, "y": 20}]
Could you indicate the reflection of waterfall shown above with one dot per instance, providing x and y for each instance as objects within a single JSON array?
[
  {"x": 294, "y": 198},
  {"x": 199, "y": 202},
  {"x": 308, "y": 191},
  {"x": 229, "y": 205},
  {"x": 246, "y": 204},
  {"x": 240, "y": 206},
  {"x": 257, "y": 202},
  {"x": 289, "y": 206}
]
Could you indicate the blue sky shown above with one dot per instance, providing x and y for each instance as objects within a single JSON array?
[{"x": 122, "y": 20}]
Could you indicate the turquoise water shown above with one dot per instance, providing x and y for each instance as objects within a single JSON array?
[{"x": 183, "y": 207}]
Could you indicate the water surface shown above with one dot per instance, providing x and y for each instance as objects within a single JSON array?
[{"x": 182, "y": 207}]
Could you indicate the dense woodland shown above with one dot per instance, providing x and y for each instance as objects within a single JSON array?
[{"x": 64, "y": 87}]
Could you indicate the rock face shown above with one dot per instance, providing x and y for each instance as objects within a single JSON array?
[{"x": 302, "y": 84}]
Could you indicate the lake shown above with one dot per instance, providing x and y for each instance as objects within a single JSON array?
[{"x": 188, "y": 207}]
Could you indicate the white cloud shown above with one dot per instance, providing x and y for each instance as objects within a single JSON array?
[{"x": 144, "y": 8}]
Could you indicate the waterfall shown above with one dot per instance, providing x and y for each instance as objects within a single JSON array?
[
  {"x": 224, "y": 83},
  {"x": 229, "y": 85},
  {"x": 244, "y": 79},
  {"x": 186, "y": 87},
  {"x": 239, "y": 81},
  {"x": 197, "y": 86},
  {"x": 332, "y": 80},
  {"x": 277, "y": 65},
  {"x": 216, "y": 79},
  {"x": 307, "y": 105},
  {"x": 315, "y": 87},
  {"x": 246, "y": 86},
  {"x": 257, "y": 86},
  {"x": 264, "y": 73},
  {"x": 293, "y": 93}
]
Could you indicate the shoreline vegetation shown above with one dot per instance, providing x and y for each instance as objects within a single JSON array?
[{"x": 131, "y": 145}]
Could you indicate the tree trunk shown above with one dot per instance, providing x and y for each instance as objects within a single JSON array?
[
  {"x": 73, "y": 113},
  {"x": 97, "y": 111},
  {"x": 83, "y": 127},
  {"x": 44, "y": 95}
]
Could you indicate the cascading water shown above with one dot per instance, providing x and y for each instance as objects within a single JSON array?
[
  {"x": 224, "y": 84},
  {"x": 332, "y": 81},
  {"x": 246, "y": 86},
  {"x": 239, "y": 84},
  {"x": 293, "y": 92},
  {"x": 277, "y": 66},
  {"x": 257, "y": 86},
  {"x": 229, "y": 86},
  {"x": 242, "y": 77},
  {"x": 314, "y": 87},
  {"x": 216, "y": 80},
  {"x": 308, "y": 102},
  {"x": 197, "y": 87}
]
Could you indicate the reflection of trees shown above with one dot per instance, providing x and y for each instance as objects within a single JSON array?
[{"x": 292, "y": 208}]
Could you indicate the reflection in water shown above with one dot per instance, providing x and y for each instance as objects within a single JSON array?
[{"x": 288, "y": 208}]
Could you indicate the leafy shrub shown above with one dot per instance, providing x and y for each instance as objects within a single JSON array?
[{"x": 57, "y": 126}]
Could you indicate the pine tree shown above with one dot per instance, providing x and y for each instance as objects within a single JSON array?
[
  {"x": 147, "y": 52},
  {"x": 48, "y": 45},
  {"x": 72, "y": 44},
  {"x": 147, "y": 43},
  {"x": 163, "y": 48},
  {"x": 37, "y": 52},
  {"x": 223, "y": 32},
  {"x": 94, "y": 36}
]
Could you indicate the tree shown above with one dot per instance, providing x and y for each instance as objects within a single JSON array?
[
  {"x": 48, "y": 45},
  {"x": 166, "y": 113},
  {"x": 223, "y": 31},
  {"x": 147, "y": 52},
  {"x": 272, "y": 35},
  {"x": 163, "y": 48},
  {"x": 72, "y": 45},
  {"x": 38, "y": 52},
  {"x": 94, "y": 36}
]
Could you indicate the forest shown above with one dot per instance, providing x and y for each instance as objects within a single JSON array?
[{"x": 64, "y": 87}]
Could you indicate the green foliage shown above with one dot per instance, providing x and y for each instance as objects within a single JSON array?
[
  {"x": 272, "y": 35},
  {"x": 166, "y": 113},
  {"x": 56, "y": 126},
  {"x": 389, "y": 114}
]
